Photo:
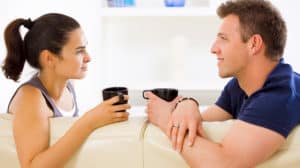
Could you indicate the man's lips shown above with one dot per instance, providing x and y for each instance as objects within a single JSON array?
[{"x": 220, "y": 60}]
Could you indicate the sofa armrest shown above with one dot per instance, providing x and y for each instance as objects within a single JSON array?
[{"x": 159, "y": 153}]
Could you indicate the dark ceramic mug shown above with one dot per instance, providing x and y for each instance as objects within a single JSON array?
[
  {"x": 110, "y": 92},
  {"x": 168, "y": 94}
]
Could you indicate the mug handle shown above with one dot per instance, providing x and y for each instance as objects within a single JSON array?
[
  {"x": 121, "y": 97},
  {"x": 144, "y": 93}
]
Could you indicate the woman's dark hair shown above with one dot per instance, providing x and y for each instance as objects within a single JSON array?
[
  {"x": 48, "y": 32},
  {"x": 259, "y": 17}
]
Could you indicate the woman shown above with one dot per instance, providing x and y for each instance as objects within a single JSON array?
[{"x": 56, "y": 46}]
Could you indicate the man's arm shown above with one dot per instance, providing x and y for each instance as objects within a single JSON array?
[
  {"x": 215, "y": 113},
  {"x": 245, "y": 145},
  {"x": 186, "y": 115}
]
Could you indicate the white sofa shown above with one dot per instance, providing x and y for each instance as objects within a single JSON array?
[{"x": 135, "y": 144}]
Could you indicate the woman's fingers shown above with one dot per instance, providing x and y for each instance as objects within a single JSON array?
[
  {"x": 120, "y": 115},
  {"x": 121, "y": 107},
  {"x": 115, "y": 99}
]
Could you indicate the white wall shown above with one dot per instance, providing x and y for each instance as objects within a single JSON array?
[
  {"x": 290, "y": 11},
  {"x": 86, "y": 12}
]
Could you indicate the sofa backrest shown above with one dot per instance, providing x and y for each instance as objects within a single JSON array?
[
  {"x": 115, "y": 145},
  {"x": 135, "y": 144}
]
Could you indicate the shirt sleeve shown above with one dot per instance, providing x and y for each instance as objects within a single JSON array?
[
  {"x": 273, "y": 111},
  {"x": 230, "y": 98},
  {"x": 224, "y": 100}
]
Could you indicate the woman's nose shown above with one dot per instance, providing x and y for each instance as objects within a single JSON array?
[{"x": 87, "y": 57}]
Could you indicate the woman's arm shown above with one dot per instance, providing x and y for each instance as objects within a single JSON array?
[{"x": 31, "y": 129}]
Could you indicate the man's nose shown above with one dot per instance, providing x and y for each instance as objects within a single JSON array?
[{"x": 214, "y": 49}]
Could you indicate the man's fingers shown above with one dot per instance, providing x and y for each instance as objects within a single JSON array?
[
  {"x": 150, "y": 95},
  {"x": 192, "y": 134},
  {"x": 169, "y": 130},
  {"x": 201, "y": 132},
  {"x": 174, "y": 136},
  {"x": 180, "y": 137}
]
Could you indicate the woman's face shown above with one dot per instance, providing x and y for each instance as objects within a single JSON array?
[{"x": 74, "y": 57}]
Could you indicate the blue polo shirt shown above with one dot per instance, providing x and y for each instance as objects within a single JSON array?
[{"x": 276, "y": 106}]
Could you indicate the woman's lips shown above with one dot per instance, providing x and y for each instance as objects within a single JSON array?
[{"x": 85, "y": 68}]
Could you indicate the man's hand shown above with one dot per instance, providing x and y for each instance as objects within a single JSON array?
[
  {"x": 159, "y": 111},
  {"x": 185, "y": 119}
]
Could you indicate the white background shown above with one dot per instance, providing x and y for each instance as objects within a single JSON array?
[{"x": 102, "y": 73}]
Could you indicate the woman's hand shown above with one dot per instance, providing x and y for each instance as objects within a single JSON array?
[{"x": 107, "y": 113}]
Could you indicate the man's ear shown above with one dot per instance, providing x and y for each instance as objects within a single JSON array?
[
  {"x": 255, "y": 44},
  {"x": 47, "y": 59}
]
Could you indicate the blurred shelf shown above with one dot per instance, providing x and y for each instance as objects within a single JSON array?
[
  {"x": 162, "y": 36},
  {"x": 180, "y": 11},
  {"x": 183, "y": 85}
]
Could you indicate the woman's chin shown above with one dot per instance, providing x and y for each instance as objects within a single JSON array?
[{"x": 81, "y": 76}]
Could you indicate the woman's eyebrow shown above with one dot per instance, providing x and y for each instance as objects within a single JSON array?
[{"x": 80, "y": 47}]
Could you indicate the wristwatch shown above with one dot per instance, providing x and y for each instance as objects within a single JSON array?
[{"x": 187, "y": 98}]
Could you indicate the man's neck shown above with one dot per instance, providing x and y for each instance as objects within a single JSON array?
[{"x": 256, "y": 74}]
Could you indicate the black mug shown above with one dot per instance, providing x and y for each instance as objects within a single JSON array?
[
  {"x": 110, "y": 92},
  {"x": 168, "y": 94}
]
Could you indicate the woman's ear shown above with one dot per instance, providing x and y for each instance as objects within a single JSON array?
[
  {"x": 255, "y": 44},
  {"x": 47, "y": 59}
]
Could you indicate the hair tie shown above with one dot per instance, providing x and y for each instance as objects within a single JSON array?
[{"x": 28, "y": 23}]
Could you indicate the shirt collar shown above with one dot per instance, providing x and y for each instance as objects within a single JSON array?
[{"x": 281, "y": 71}]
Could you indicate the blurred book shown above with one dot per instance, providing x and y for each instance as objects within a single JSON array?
[{"x": 120, "y": 3}]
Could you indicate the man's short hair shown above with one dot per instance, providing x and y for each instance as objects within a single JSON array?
[{"x": 258, "y": 17}]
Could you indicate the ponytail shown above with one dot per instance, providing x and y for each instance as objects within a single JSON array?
[{"x": 15, "y": 58}]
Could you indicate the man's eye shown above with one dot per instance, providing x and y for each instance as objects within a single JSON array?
[{"x": 223, "y": 38}]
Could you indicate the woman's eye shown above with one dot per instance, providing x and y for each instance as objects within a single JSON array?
[{"x": 79, "y": 52}]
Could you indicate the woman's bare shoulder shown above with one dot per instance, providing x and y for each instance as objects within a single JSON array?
[{"x": 29, "y": 100}]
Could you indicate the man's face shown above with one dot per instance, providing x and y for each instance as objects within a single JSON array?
[{"x": 231, "y": 51}]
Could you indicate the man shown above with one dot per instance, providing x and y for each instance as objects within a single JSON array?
[{"x": 263, "y": 95}]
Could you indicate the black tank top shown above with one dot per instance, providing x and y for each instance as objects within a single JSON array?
[{"x": 35, "y": 81}]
